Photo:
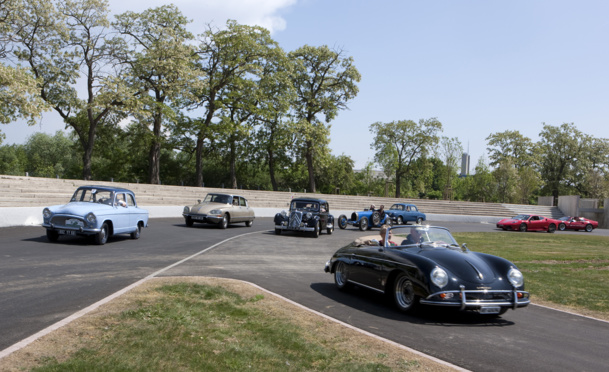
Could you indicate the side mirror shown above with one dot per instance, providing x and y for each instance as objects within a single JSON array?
[{"x": 464, "y": 247}]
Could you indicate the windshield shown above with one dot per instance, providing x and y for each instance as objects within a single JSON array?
[
  {"x": 422, "y": 235},
  {"x": 397, "y": 207},
  {"x": 93, "y": 195},
  {"x": 217, "y": 198},
  {"x": 305, "y": 205},
  {"x": 521, "y": 217}
]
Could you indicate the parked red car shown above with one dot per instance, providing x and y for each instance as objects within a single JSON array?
[
  {"x": 576, "y": 223},
  {"x": 529, "y": 222}
]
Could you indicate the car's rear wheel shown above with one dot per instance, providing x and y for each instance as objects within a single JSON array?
[
  {"x": 551, "y": 228},
  {"x": 52, "y": 235},
  {"x": 224, "y": 223},
  {"x": 523, "y": 227},
  {"x": 562, "y": 227},
  {"x": 341, "y": 276},
  {"x": 342, "y": 222},
  {"x": 589, "y": 228},
  {"x": 102, "y": 236},
  {"x": 363, "y": 224},
  {"x": 399, "y": 220},
  {"x": 249, "y": 223},
  {"x": 188, "y": 221},
  {"x": 137, "y": 233},
  {"x": 403, "y": 294}
]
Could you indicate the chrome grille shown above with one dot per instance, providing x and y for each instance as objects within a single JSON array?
[{"x": 295, "y": 218}]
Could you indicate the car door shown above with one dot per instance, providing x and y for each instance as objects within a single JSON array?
[
  {"x": 367, "y": 266},
  {"x": 121, "y": 218},
  {"x": 246, "y": 212}
]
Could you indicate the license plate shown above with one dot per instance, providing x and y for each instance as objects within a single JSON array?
[
  {"x": 198, "y": 217},
  {"x": 67, "y": 232},
  {"x": 490, "y": 310}
]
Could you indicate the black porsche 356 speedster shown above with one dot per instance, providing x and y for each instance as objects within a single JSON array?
[{"x": 424, "y": 265}]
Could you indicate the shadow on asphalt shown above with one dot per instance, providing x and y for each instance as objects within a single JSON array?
[{"x": 373, "y": 303}]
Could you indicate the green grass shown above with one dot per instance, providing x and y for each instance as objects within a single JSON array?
[
  {"x": 565, "y": 269},
  {"x": 193, "y": 327}
]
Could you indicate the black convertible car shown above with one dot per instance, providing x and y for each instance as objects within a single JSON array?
[{"x": 425, "y": 265}]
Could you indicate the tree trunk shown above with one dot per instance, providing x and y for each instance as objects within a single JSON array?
[
  {"x": 155, "y": 153},
  {"x": 309, "y": 156},
  {"x": 199, "y": 160},
  {"x": 272, "y": 169}
]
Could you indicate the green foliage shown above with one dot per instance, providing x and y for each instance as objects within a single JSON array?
[{"x": 51, "y": 156}]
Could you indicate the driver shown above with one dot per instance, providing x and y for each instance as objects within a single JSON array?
[{"x": 414, "y": 237}]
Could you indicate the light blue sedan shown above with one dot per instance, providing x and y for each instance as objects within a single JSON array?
[
  {"x": 402, "y": 213},
  {"x": 98, "y": 211}
]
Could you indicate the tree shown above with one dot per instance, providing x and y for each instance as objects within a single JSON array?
[
  {"x": 162, "y": 71},
  {"x": 325, "y": 80},
  {"x": 451, "y": 151},
  {"x": 19, "y": 90},
  {"x": 511, "y": 146},
  {"x": 560, "y": 147},
  {"x": 399, "y": 144},
  {"x": 227, "y": 58}
]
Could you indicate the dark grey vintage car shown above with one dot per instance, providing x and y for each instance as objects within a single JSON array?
[
  {"x": 425, "y": 265},
  {"x": 307, "y": 215}
]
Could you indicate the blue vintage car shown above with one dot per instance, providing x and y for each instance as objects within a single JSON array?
[
  {"x": 402, "y": 213},
  {"x": 98, "y": 211},
  {"x": 366, "y": 219}
]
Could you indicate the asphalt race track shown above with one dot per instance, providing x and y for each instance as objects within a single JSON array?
[{"x": 42, "y": 283}]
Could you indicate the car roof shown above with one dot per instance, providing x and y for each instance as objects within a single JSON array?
[
  {"x": 108, "y": 188},
  {"x": 220, "y": 193},
  {"x": 310, "y": 200}
]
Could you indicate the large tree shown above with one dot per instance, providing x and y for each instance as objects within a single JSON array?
[
  {"x": 325, "y": 80},
  {"x": 512, "y": 146},
  {"x": 399, "y": 144},
  {"x": 162, "y": 71},
  {"x": 228, "y": 58}
]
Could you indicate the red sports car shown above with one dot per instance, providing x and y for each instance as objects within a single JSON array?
[
  {"x": 576, "y": 223},
  {"x": 529, "y": 222}
]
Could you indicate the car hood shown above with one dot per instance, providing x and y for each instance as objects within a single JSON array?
[
  {"x": 467, "y": 266},
  {"x": 206, "y": 207},
  {"x": 81, "y": 208}
]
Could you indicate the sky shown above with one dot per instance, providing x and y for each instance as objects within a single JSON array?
[{"x": 480, "y": 67}]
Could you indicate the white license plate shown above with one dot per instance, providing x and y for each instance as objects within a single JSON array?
[
  {"x": 490, "y": 310},
  {"x": 67, "y": 232},
  {"x": 198, "y": 217}
]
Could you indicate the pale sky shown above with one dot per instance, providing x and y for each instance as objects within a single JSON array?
[{"x": 478, "y": 66}]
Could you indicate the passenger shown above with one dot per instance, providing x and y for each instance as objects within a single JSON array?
[
  {"x": 384, "y": 233},
  {"x": 372, "y": 207}
]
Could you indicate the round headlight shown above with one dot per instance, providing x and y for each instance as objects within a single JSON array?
[
  {"x": 46, "y": 213},
  {"x": 91, "y": 218},
  {"x": 309, "y": 215},
  {"x": 186, "y": 210},
  {"x": 515, "y": 277},
  {"x": 439, "y": 277}
]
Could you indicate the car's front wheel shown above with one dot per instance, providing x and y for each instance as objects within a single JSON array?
[
  {"x": 316, "y": 229},
  {"x": 363, "y": 224},
  {"x": 224, "y": 223},
  {"x": 340, "y": 276},
  {"x": 562, "y": 227},
  {"x": 419, "y": 220},
  {"x": 403, "y": 294},
  {"x": 188, "y": 221},
  {"x": 523, "y": 227},
  {"x": 330, "y": 230},
  {"x": 102, "y": 236},
  {"x": 400, "y": 220},
  {"x": 52, "y": 235},
  {"x": 137, "y": 233},
  {"x": 342, "y": 222},
  {"x": 277, "y": 231}
]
